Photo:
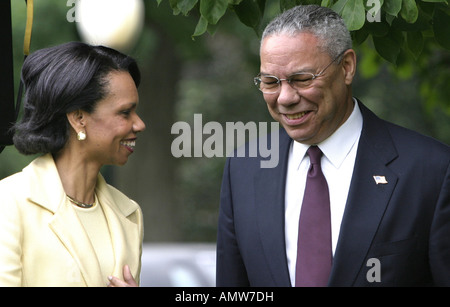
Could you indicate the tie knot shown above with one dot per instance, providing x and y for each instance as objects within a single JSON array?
[{"x": 314, "y": 154}]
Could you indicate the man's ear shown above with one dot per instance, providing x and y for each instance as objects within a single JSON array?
[{"x": 349, "y": 65}]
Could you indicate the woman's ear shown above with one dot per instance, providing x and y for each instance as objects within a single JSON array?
[
  {"x": 349, "y": 65},
  {"x": 76, "y": 120}
]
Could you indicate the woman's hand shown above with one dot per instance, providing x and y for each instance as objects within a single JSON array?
[{"x": 127, "y": 282}]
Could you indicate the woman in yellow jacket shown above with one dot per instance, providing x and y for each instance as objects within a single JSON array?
[{"x": 61, "y": 224}]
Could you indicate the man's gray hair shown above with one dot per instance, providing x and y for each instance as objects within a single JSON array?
[{"x": 322, "y": 22}]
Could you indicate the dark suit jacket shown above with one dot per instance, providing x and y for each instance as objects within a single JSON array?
[{"x": 405, "y": 224}]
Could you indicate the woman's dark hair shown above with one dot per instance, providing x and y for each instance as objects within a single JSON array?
[{"x": 59, "y": 80}]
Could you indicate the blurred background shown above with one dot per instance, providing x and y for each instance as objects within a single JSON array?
[{"x": 213, "y": 75}]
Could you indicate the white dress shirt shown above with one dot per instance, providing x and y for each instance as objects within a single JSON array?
[{"x": 338, "y": 161}]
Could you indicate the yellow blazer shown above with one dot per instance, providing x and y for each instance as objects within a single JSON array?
[{"x": 42, "y": 241}]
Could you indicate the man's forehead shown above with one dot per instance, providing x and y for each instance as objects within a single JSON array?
[
  {"x": 285, "y": 41},
  {"x": 289, "y": 54}
]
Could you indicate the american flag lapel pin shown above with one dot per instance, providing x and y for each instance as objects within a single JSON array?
[{"x": 380, "y": 179}]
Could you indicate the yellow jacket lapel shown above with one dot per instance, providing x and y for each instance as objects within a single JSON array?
[
  {"x": 126, "y": 233},
  {"x": 47, "y": 191},
  {"x": 69, "y": 230}
]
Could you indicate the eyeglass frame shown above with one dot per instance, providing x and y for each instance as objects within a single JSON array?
[{"x": 257, "y": 80}]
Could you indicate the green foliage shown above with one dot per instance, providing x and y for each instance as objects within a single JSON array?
[
  {"x": 408, "y": 34},
  {"x": 394, "y": 25},
  {"x": 441, "y": 27},
  {"x": 352, "y": 11}
]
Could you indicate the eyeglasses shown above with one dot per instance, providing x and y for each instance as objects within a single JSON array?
[{"x": 271, "y": 84}]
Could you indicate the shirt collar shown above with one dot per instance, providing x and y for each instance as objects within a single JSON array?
[{"x": 336, "y": 147}]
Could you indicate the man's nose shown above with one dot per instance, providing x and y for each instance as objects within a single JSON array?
[{"x": 288, "y": 94}]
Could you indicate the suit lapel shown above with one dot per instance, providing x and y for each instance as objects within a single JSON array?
[
  {"x": 269, "y": 202},
  {"x": 367, "y": 201},
  {"x": 124, "y": 233},
  {"x": 124, "y": 237},
  {"x": 72, "y": 235},
  {"x": 47, "y": 191}
]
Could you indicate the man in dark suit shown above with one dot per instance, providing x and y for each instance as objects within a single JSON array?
[{"x": 388, "y": 187}]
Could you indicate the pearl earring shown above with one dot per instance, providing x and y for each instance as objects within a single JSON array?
[{"x": 81, "y": 136}]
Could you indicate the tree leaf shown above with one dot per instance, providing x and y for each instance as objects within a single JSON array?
[
  {"x": 174, "y": 6},
  {"x": 353, "y": 13},
  {"x": 234, "y": 2},
  {"x": 185, "y": 6},
  {"x": 393, "y": 7},
  {"x": 249, "y": 14},
  {"x": 377, "y": 28},
  {"x": 388, "y": 46},
  {"x": 326, "y": 3},
  {"x": 441, "y": 27},
  {"x": 213, "y": 10},
  {"x": 359, "y": 36},
  {"x": 415, "y": 43},
  {"x": 423, "y": 23},
  {"x": 201, "y": 27},
  {"x": 338, "y": 7},
  {"x": 409, "y": 11}
]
